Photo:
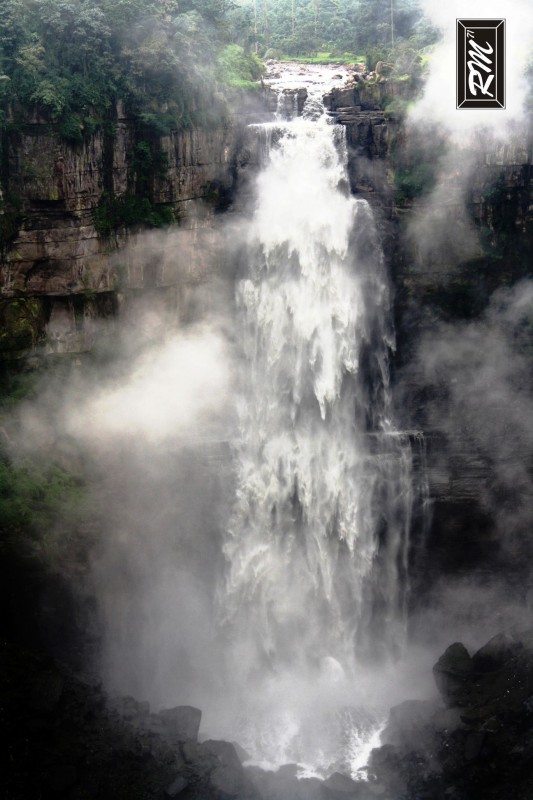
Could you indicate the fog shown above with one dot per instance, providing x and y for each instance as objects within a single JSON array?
[
  {"x": 439, "y": 97},
  {"x": 474, "y": 373}
]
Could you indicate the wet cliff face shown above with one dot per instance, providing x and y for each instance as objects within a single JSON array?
[
  {"x": 459, "y": 256},
  {"x": 69, "y": 209}
]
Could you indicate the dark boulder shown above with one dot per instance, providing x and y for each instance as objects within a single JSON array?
[
  {"x": 284, "y": 785},
  {"x": 480, "y": 746},
  {"x": 181, "y": 723},
  {"x": 408, "y": 722},
  {"x": 56, "y": 780},
  {"x": 44, "y": 690},
  {"x": 178, "y": 785},
  {"x": 496, "y": 653},
  {"x": 453, "y": 675},
  {"x": 228, "y": 779},
  {"x": 341, "y": 787},
  {"x": 243, "y": 754}
]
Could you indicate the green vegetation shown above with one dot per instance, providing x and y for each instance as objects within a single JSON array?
[
  {"x": 71, "y": 60},
  {"x": 237, "y": 68},
  {"x": 15, "y": 386},
  {"x": 326, "y": 58},
  {"x": 44, "y": 500},
  {"x": 173, "y": 64},
  {"x": 43, "y": 507},
  {"x": 333, "y": 28},
  {"x": 169, "y": 59},
  {"x": 32, "y": 496},
  {"x": 21, "y": 324},
  {"x": 129, "y": 210},
  {"x": 415, "y": 160}
]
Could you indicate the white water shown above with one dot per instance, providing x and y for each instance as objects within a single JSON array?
[
  {"x": 316, "y": 548},
  {"x": 295, "y": 656}
]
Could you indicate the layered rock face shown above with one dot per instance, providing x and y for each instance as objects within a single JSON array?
[
  {"x": 368, "y": 133},
  {"x": 53, "y": 251}
]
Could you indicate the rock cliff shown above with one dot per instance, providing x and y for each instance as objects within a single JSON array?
[{"x": 69, "y": 208}]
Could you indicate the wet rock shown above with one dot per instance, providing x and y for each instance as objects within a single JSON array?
[
  {"x": 288, "y": 770},
  {"x": 473, "y": 744},
  {"x": 387, "y": 768},
  {"x": 218, "y": 771},
  {"x": 202, "y": 760},
  {"x": 376, "y": 790},
  {"x": 453, "y": 672},
  {"x": 447, "y": 720},
  {"x": 284, "y": 785},
  {"x": 407, "y": 721},
  {"x": 130, "y": 709},
  {"x": 338, "y": 98},
  {"x": 181, "y": 723},
  {"x": 496, "y": 653},
  {"x": 60, "y": 778},
  {"x": 44, "y": 691},
  {"x": 229, "y": 782},
  {"x": 227, "y": 779},
  {"x": 176, "y": 787},
  {"x": 341, "y": 787},
  {"x": 243, "y": 754},
  {"x": 478, "y": 749},
  {"x": 223, "y": 751}
]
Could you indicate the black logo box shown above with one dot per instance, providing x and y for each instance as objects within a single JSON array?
[{"x": 486, "y": 33}]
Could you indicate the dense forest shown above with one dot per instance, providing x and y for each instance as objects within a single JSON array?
[
  {"x": 171, "y": 61},
  {"x": 303, "y": 28},
  {"x": 72, "y": 60}
]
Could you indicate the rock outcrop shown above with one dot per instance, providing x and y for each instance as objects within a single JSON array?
[
  {"x": 479, "y": 742},
  {"x": 61, "y": 237},
  {"x": 65, "y": 739}
]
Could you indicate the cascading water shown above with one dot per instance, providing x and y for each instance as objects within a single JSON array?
[
  {"x": 316, "y": 548},
  {"x": 279, "y": 611}
]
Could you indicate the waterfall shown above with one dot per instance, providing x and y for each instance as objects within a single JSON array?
[
  {"x": 316, "y": 548},
  {"x": 256, "y": 563}
]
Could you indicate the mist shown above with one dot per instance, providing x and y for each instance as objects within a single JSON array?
[
  {"x": 439, "y": 96},
  {"x": 236, "y": 564},
  {"x": 252, "y": 488},
  {"x": 473, "y": 373},
  {"x": 480, "y": 379}
]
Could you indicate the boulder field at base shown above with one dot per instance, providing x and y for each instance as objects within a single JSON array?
[{"x": 67, "y": 739}]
